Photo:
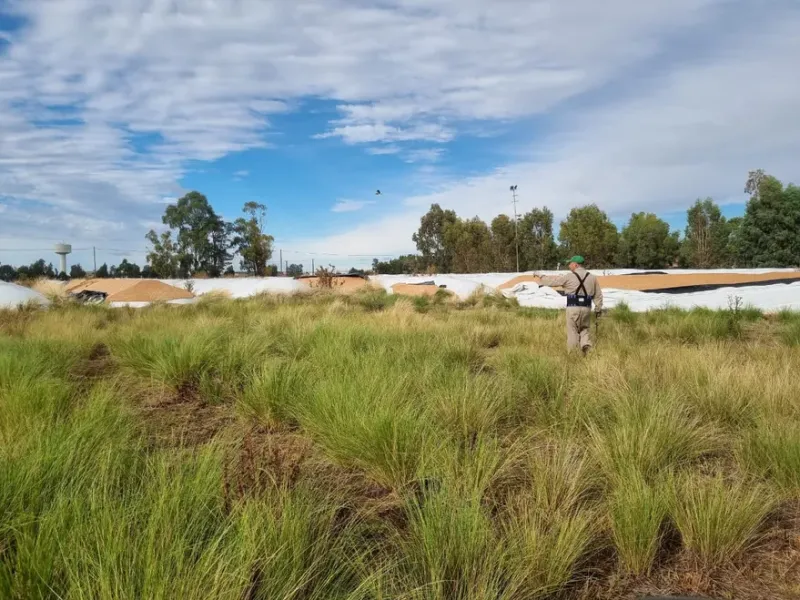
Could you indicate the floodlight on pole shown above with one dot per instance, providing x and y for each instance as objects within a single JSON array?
[{"x": 513, "y": 189}]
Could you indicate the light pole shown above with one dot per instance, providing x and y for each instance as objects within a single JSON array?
[{"x": 513, "y": 189}]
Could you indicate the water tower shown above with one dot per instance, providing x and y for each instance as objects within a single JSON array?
[{"x": 62, "y": 250}]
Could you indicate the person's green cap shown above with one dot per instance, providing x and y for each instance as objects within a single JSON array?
[{"x": 576, "y": 259}]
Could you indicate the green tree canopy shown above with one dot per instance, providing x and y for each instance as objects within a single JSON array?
[
  {"x": 7, "y": 273},
  {"x": 163, "y": 255},
  {"x": 705, "y": 245},
  {"x": 294, "y": 270},
  {"x": 430, "y": 238},
  {"x": 537, "y": 244},
  {"x": 76, "y": 272},
  {"x": 589, "y": 232},
  {"x": 471, "y": 245},
  {"x": 647, "y": 243},
  {"x": 504, "y": 244},
  {"x": 36, "y": 270},
  {"x": 402, "y": 265},
  {"x": 733, "y": 246},
  {"x": 126, "y": 270},
  {"x": 250, "y": 240},
  {"x": 768, "y": 236},
  {"x": 202, "y": 235}
]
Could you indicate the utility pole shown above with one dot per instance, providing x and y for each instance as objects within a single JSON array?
[
  {"x": 281, "y": 253},
  {"x": 94, "y": 256},
  {"x": 513, "y": 189},
  {"x": 312, "y": 266}
]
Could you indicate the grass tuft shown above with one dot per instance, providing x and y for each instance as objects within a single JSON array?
[
  {"x": 637, "y": 512},
  {"x": 719, "y": 518},
  {"x": 544, "y": 551},
  {"x": 772, "y": 451},
  {"x": 650, "y": 434}
]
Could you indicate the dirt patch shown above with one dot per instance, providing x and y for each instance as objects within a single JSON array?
[
  {"x": 360, "y": 497},
  {"x": 263, "y": 461},
  {"x": 97, "y": 364},
  {"x": 647, "y": 283},
  {"x": 183, "y": 419}
]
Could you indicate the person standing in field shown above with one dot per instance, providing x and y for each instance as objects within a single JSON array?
[{"x": 582, "y": 290}]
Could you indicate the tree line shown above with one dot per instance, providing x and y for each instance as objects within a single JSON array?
[
  {"x": 200, "y": 243},
  {"x": 766, "y": 236},
  {"x": 41, "y": 269}
]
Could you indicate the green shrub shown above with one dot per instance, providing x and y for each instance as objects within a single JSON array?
[
  {"x": 373, "y": 300},
  {"x": 622, "y": 313}
]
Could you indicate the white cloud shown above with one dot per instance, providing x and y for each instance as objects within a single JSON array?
[
  {"x": 351, "y": 205},
  {"x": 153, "y": 84},
  {"x": 383, "y": 150},
  {"x": 689, "y": 135},
  {"x": 241, "y": 174},
  {"x": 380, "y": 132},
  {"x": 424, "y": 155}
]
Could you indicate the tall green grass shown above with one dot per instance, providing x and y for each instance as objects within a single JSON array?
[
  {"x": 719, "y": 518},
  {"x": 637, "y": 512},
  {"x": 771, "y": 450},
  {"x": 545, "y": 551},
  {"x": 378, "y": 447},
  {"x": 274, "y": 393},
  {"x": 648, "y": 435}
]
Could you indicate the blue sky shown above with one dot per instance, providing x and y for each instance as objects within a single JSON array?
[{"x": 110, "y": 108}]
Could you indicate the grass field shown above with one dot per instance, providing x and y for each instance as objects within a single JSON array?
[{"x": 376, "y": 447}]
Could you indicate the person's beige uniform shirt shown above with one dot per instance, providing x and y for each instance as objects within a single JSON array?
[
  {"x": 579, "y": 319},
  {"x": 569, "y": 283}
]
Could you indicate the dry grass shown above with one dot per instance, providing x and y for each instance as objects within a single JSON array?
[{"x": 55, "y": 291}]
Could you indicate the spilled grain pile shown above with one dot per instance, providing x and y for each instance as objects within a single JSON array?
[{"x": 131, "y": 290}]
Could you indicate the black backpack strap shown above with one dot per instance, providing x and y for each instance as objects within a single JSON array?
[
  {"x": 581, "y": 287},
  {"x": 580, "y": 299}
]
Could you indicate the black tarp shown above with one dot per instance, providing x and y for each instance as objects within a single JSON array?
[{"x": 688, "y": 289}]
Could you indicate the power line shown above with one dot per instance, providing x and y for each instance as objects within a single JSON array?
[
  {"x": 340, "y": 254},
  {"x": 144, "y": 251},
  {"x": 39, "y": 249}
]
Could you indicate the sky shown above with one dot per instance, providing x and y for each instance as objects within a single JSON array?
[{"x": 111, "y": 109}]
